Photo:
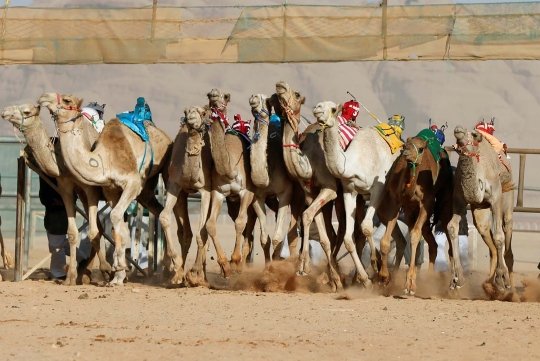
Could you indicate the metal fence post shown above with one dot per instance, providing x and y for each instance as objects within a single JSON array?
[
  {"x": 19, "y": 245},
  {"x": 521, "y": 181}
]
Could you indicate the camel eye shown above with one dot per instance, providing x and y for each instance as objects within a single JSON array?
[
  {"x": 421, "y": 149},
  {"x": 297, "y": 95}
]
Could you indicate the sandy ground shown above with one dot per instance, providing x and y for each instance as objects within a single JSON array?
[{"x": 235, "y": 320}]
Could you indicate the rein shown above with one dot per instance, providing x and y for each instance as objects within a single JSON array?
[{"x": 259, "y": 119}]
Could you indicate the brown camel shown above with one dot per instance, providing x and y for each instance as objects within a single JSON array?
[
  {"x": 420, "y": 182},
  {"x": 230, "y": 179},
  {"x": 303, "y": 163},
  {"x": 190, "y": 171},
  {"x": 267, "y": 163},
  {"x": 49, "y": 159},
  {"x": 6, "y": 257},
  {"x": 483, "y": 179},
  {"x": 118, "y": 162}
]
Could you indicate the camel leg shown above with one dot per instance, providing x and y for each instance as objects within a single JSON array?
[
  {"x": 392, "y": 213},
  {"x": 297, "y": 206},
  {"x": 350, "y": 212},
  {"x": 279, "y": 233},
  {"x": 196, "y": 276},
  {"x": 260, "y": 210},
  {"x": 247, "y": 247},
  {"x": 376, "y": 195},
  {"x": 121, "y": 230},
  {"x": 482, "y": 222},
  {"x": 452, "y": 234},
  {"x": 173, "y": 190},
  {"x": 432, "y": 245},
  {"x": 416, "y": 231},
  {"x": 501, "y": 272},
  {"x": 325, "y": 196},
  {"x": 183, "y": 232},
  {"x": 65, "y": 188},
  {"x": 216, "y": 202},
  {"x": 246, "y": 198},
  {"x": 90, "y": 207},
  {"x": 6, "y": 257},
  {"x": 508, "y": 225}
]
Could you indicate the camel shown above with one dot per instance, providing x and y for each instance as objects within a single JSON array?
[
  {"x": 118, "y": 163},
  {"x": 303, "y": 161},
  {"x": 48, "y": 157},
  {"x": 230, "y": 179},
  {"x": 362, "y": 169},
  {"x": 483, "y": 179},
  {"x": 266, "y": 160},
  {"x": 422, "y": 185},
  {"x": 6, "y": 257},
  {"x": 190, "y": 171}
]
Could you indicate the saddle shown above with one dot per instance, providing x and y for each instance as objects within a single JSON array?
[{"x": 388, "y": 133}]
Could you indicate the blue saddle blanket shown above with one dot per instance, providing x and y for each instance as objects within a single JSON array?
[{"x": 135, "y": 119}]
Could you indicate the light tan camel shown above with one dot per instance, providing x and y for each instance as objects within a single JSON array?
[
  {"x": 303, "y": 160},
  {"x": 230, "y": 179},
  {"x": 6, "y": 257},
  {"x": 484, "y": 182},
  {"x": 267, "y": 164},
  {"x": 422, "y": 185},
  {"x": 120, "y": 162},
  {"x": 49, "y": 159},
  {"x": 362, "y": 169},
  {"x": 190, "y": 171}
]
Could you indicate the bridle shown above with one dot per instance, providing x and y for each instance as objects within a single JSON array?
[
  {"x": 21, "y": 127},
  {"x": 258, "y": 117},
  {"x": 292, "y": 116},
  {"x": 60, "y": 106},
  {"x": 330, "y": 114},
  {"x": 414, "y": 163},
  {"x": 461, "y": 151}
]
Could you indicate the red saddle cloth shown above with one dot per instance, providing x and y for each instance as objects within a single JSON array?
[
  {"x": 240, "y": 125},
  {"x": 346, "y": 132}
]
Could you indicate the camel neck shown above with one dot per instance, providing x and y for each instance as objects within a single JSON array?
[
  {"x": 88, "y": 167},
  {"x": 220, "y": 153},
  {"x": 38, "y": 141},
  {"x": 259, "y": 152},
  {"x": 191, "y": 169},
  {"x": 297, "y": 163},
  {"x": 334, "y": 155}
]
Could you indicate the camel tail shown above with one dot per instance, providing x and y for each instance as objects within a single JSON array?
[{"x": 508, "y": 186}]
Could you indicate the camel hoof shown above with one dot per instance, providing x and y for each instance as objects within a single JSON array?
[
  {"x": 70, "y": 281},
  {"x": 406, "y": 291},
  {"x": 301, "y": 273},
  {"x": 411, "y": 293},
  {"x": 85, "y": 279},
  {"x": 458, "y": 287}
]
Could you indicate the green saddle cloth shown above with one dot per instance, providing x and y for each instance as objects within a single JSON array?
[{"x": 433, "y": 144}]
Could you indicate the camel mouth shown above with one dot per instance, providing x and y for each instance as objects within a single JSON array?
[
  {"x": 281, "y": 87},
  {"x": 254, "y": 103}
]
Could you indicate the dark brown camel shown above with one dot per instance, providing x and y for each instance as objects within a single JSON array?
[{"x": 420, "y": 184}]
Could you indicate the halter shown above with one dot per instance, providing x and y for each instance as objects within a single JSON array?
[
  {"x": 414, "y": 164},
  {"x": 259, "y": 119},
  {"x": 330, "y": 114},
  {"x": 219, "y": 115},
  {"x": 289, "y": 113},
  {"x": 21, "y": 128},
  {"x": 460, "y": 150}
]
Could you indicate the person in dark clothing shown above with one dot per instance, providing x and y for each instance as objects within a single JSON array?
[{"x": 56, "y": 225}]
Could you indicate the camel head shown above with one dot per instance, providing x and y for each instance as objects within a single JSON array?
[
  {"x": 260, "y": 105},
  {"x": 61, "y": 105},
  {"x": 413, "y": 150},
  {"x": 326, "y": 113},
  {"x": 219, "y": 100},
  {"x": 467, "y": 142},
  {"x": 289, "y": 103},
  {"x": 23, "y": 116},
  {"x": 194, "y": 117}
]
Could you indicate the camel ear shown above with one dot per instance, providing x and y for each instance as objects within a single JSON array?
[
  {"x": 338, "y": 108},
  {"x": 408, "y": 139},
  {"x": 477, "y": 136},
  {"x": 200, "y": 110},
  {"x": 302, "y": 100},
  {"x": 79, "y": 104},
  {"x": 227, "y": 97},
  {"x": 186, "y": 110}
]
